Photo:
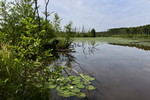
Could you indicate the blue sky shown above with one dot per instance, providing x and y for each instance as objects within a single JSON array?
[{"x": 101, "y": 14}]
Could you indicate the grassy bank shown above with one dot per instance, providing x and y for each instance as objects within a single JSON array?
[{"x": 104, "y": 35}]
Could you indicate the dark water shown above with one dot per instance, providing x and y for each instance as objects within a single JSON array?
[{"x": 122, "y": 73}]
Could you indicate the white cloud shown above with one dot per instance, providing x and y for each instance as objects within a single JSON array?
[{"x": 102, "y": 14}]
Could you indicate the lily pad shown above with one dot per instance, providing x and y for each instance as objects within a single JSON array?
[
  {"x": 90, "y": 87},
  {"x": 80, "y": 85},
  {"x": 81, "y": 95},
  {"x": 89, "y": 78},
  {"x": 75, "y": 90}
]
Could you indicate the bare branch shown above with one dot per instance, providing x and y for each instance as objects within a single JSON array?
[
  {"x": 46, "y": 14},
  {"x": 37, "y": 11}
]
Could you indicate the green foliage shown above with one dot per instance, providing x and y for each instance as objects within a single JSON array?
[
  {"x": 141, "y": 31},
  {"x": 56, "y": 23},
  {"x": 93, "y": 33},
  {"x": 10, "y": 69},
  {"x": 68, "y": 27},
  {"x": 64, "y": 43},
  {"x": 11, "y": 16},
  {"x": 19, "y": 60},
  {"x": 2, "y": 37},
  {"x": 29, "y": 44},
  {"x": 24, "y": 65},
  {"x": 48, "y": 33}
]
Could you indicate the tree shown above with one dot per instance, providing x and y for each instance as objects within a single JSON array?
[
  {"x": 68, "y": 27},
  {"x": 11, "y": 15},
  {"x": 56, "y": 23},
  {"x": 93, "y": 33}
]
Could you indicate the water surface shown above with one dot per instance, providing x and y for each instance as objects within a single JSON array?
[{"x": 121, "y": 72}]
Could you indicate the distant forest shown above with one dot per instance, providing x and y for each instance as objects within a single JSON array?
[{"x": 131, "y": 31}]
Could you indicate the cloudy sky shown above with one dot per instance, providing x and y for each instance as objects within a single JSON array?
[{"x": 101, "y": 14}]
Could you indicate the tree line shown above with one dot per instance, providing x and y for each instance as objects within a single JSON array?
[{"x": 131, "y": 31}]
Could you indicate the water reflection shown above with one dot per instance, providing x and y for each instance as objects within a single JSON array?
[
  {"x": 133, "y": 45},
  {"x": 87, "y": 48},
  {"x": 122, "y": 71}
]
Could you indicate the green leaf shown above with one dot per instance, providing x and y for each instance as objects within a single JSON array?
[
  {"x": 38, "y": 85},
  {"x": 90, "y": 87},
  {"x": 72, "y": 77},
  {"x": 66, "y": 93},
  {"x": 6, "y": 80},
  {"x": 75, "y": 90},
  {"x": 58, "y": 88},
  {"x": 16, "y": 60},
  {"x": 63, "y": 82},
  {"x": 80, "y": 85},
  {"x": 51, "y": 86},
  {"x": 89, "y": 78},
  {"x": 37, "y": 64},
  {"x": 81, "y": 95},
  {"x": 86, "y": 83},
  {"x": 61, "y": 88},
  {"x": 76, "y": 81}
]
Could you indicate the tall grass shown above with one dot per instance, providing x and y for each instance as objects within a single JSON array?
[{"x": 10, "y": 71}]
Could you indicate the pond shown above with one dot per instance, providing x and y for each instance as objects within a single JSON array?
[{"x": 122, "y": 72}]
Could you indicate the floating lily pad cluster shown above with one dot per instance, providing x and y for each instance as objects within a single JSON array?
[{"x": 72, "y": 85}]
